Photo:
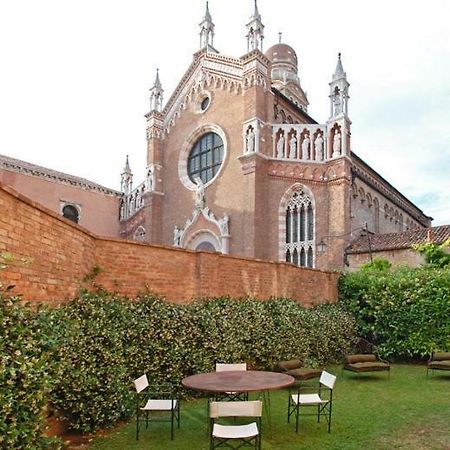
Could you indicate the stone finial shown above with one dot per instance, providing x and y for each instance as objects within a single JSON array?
[
  {"x": 156, "y": 94},
  {"x": 255, "y": 31},
  {"x": 206, "y": 30}
]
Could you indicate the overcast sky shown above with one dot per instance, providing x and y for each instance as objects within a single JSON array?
[{"x": 75, "y": 75}]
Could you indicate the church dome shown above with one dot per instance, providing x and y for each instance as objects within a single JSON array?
[{"x": 282, "y": 55}]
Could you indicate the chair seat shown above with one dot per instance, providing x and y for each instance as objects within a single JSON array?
[
  {"x": 235, "y": 431},
  {"x": 307, "y": 399},
  {"x": 442, "y": 365},
  {"x": 367, "y": 366},
  {"x": 160, "y": 405}
]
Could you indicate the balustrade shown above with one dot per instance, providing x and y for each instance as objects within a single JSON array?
[
  {"x": 302, "y": 142},
  {"x": 130, "y": 204}
]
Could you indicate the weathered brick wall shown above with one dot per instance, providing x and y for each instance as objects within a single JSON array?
[
  {"x": 62, "y": 253},
  {"x": 58, "y": 253},
  {"x": 398, "y": 257}
]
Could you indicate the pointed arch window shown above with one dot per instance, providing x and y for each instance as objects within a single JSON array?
[{"x": 299, "y": 241}]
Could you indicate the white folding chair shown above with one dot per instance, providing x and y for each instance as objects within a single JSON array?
[
  {"x": 324, "y": 405},
  {"x": 159, "y": 400},
  {"x": 233, "y": 396},
  {"x": 226, "y": 436}
]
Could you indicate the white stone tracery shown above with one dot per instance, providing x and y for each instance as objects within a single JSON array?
[
  {"x": 183, "y": 238},
  {"x": 297, "y": 227}
]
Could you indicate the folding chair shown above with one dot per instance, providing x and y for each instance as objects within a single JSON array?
[
  {"x": 231, "y": 396},
  {"x": 235, "y": 436},
  {"x": 324, "y": 405},
  {"x": 159, "y": 401}
]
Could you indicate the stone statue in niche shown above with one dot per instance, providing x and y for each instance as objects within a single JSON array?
[
  {"x": 250, "y": 140},
  {"x": 280, "y": 146},
  {"x": 337, "y": 105},
  {"x": 122, "y": 210},
  {"x": 337, "y": 143},
  {"x": 318, "y": 147},
  {"x": 177, "y": 232},
  {"x": 293, "y": 147},
  {"x": 150, "y": 179},
  {"x": 223, "y": 224},
  {"x": 199, "y": 200},
  {"x": 305, "y": 147}
]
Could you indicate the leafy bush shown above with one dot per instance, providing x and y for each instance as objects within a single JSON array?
[
  {"x": 436, "y": 255},
  {"x": 405, "y": 311},
  {"x": 24, "y": 379},
  {"x": 91, "y": 382}
]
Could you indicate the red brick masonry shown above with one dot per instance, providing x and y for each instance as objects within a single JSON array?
[{"x": 59, "y": 254}]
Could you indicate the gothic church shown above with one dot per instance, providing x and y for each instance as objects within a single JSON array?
[{"x": 236, "y": 165}]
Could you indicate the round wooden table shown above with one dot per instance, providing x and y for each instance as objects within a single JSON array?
[
  {"x": 240, "y": 381},
  {"x": 237, "y": 381}
]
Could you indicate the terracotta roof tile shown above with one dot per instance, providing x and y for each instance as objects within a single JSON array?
[{"x": 405, "y": 239}]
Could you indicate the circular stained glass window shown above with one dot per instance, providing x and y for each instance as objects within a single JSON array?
[{"x": 205, "y": 158}]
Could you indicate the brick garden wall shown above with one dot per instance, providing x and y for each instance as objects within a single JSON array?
[{"x": 62, "y": 253}]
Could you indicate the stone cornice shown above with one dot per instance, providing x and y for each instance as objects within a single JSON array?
[
  {"x": 26, "y": 168},
  {"x": 366, "y": 174}
]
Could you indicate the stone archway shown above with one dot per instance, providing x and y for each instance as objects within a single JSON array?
[{"x": 204, "y": 240}]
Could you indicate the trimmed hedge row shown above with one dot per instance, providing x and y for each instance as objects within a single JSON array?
[
  {"x": 107, "y": 341},
  {"x": 82, "y": 357},
  {"x": 405, "y": 311},
  {"x": 24, "y": 377}
]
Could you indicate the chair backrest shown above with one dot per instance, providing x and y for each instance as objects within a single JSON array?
[
  {"x": 327, "y": 379},
  {"x": 220, "y": 367},
  {"x": 441, "y": 356},
  {"x": 290, "y": 365},
  {"x": 251, "y": 408},
  {"x": 141, "y": 383}
]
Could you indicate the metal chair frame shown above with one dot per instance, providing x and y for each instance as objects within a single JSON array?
[
  {"x": 235, "y": 410},
  {"x": 324, "y": 405},
  {"x": 156, "y": 398}
]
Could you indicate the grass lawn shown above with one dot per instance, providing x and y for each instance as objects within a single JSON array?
[{"x": 370, "y": 411}]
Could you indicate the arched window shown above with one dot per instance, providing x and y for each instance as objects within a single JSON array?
[
  {"x": 299, "y": 239},
  {"x": 71, "y": 212}
]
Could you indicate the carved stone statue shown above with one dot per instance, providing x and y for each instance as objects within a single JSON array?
[
  {"x": 337, "y": 143},
  {"x": 318, "y": 147},
  {"x": 280, "y": 146},
  {"x": 177, "y": 232},
  {"x": 199, "y": 194},
  {"x": 305, "y": 147},
  {"x": 337, "y": 105},
  {"x": 150, "y": 180},
  {"x": 293, "y": 147},
  {"x": 223, "y": 224},
  {"x": 250, "y": 141}
]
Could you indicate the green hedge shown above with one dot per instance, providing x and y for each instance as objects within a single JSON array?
[
  {"x": 24, "y": 377},
  {"x": 81, "y": 358},
  {"x": 406, "y": 311},
  {"x": 107, "y": 341}
]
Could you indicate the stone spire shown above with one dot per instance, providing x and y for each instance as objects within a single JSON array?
[
  {"x": 156, "y": 94},
  {"x": 206, "y": 30},
  {"x": 339, "y": 91},
  {"x": 255, "y": 31},
  {"x": 339, "y": 72},
  {"x": 126, "y": 179}
]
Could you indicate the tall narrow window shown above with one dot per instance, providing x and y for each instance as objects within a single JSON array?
[{"x": 299, "y": 239}]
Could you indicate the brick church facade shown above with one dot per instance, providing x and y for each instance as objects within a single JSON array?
[{"x": 236, "y": 165}]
